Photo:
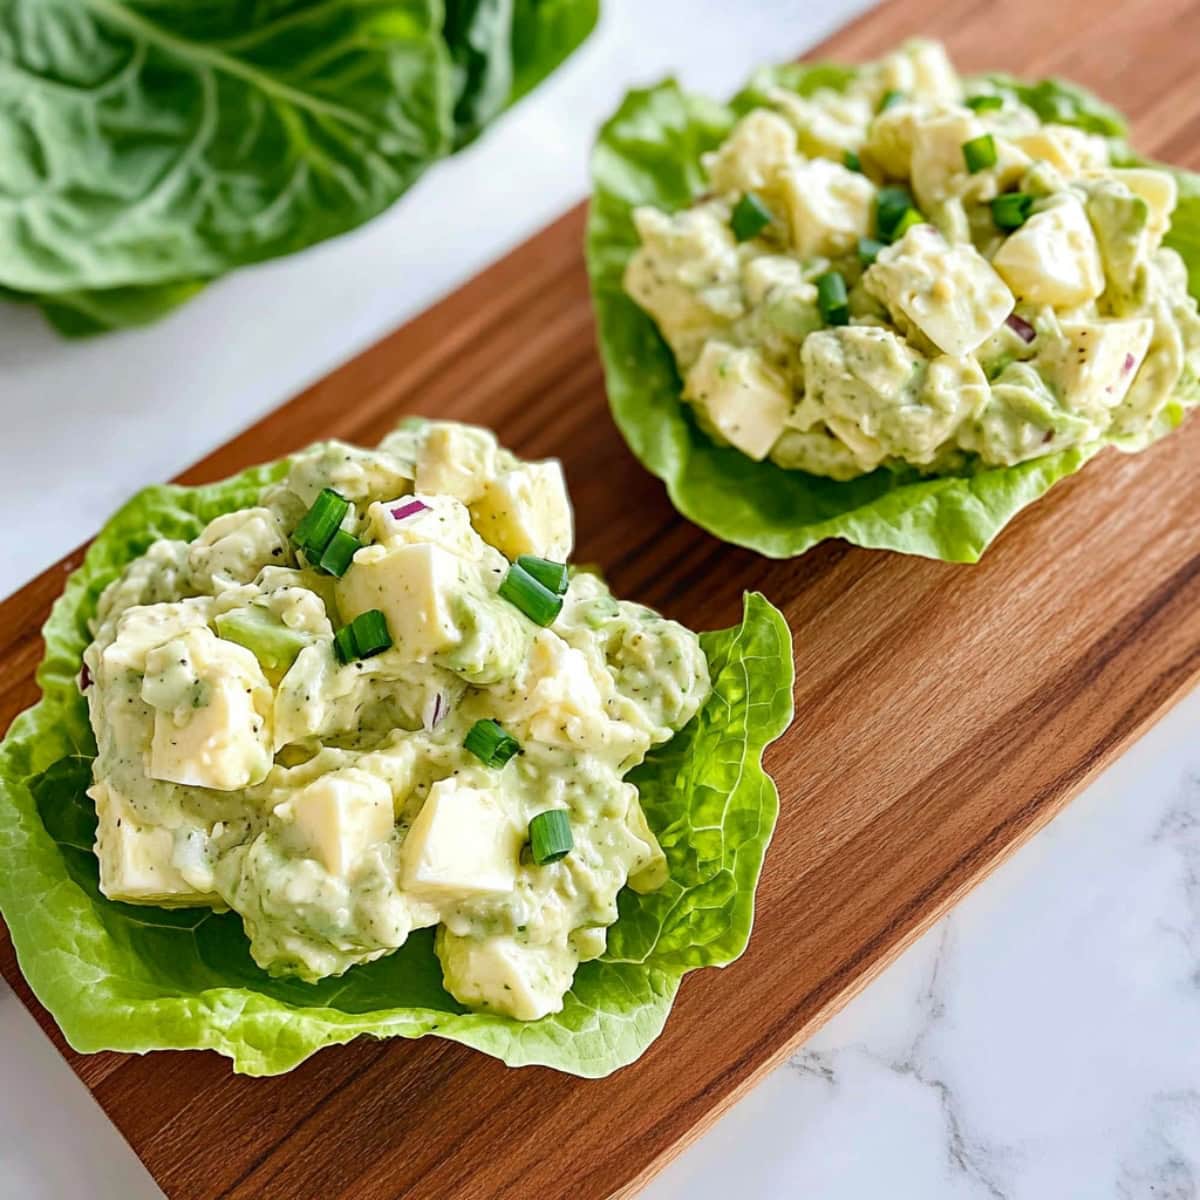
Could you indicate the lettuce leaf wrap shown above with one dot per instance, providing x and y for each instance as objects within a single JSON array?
[
  {"x": 649, "y": 153},
  {"x": 132, "y": 978}
]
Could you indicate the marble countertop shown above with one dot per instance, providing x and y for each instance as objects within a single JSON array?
[
  {"x": 1040, "y": 1042},
  {"x": 1037, "y": 1044}
]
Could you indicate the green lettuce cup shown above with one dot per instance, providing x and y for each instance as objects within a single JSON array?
[
  {"x": 122, "y": 977},
  {"x": 649, "y": 153}
]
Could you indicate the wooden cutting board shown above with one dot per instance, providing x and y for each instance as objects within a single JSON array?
[{"x": 943, "y": 713}]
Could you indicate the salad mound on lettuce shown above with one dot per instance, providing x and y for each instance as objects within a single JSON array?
[
  {"x": 885, "y": 303},
  {"x": 342, "y": 746}
]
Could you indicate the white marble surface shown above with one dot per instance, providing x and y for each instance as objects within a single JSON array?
[{"x": 1039, "y": 1043}]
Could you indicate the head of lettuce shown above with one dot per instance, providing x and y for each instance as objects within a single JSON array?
[
  {"x": 885, "y": 303},
  {"x": 235, "y": 894}
]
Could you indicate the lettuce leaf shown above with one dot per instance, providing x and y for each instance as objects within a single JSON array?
[
  {"x": 121, "y": 977},
  {"x": 649, "y": 153},
  {"x": 260, "y": 132}
]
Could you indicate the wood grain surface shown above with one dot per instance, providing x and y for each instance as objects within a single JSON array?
[{"x": 944, "y": 713}]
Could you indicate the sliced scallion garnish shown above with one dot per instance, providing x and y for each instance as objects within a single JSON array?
[
  {"x": 343, "y": 645},
  {"x": 831, "y": 298},
  {"x": 365, "y": 636},
  {"x": 1011, "y": 210},
  {"x": 750, "y": 217},
  {"x": 895, "y": 213},
  {"x": 910, "y": 218},
  {"x": 890, "y": 99},
  {"x": 868, "y": 250},
  {"x": 320, "y": 523},
  {"x": 490, "y": 744},
  {"x": 371, "y": 633},
  {"x": 533, "y": 598},
  {"x": 980, "y": 153},
  {"x": 550, "y": 837},
  {"x": 336, "y": 556},
  {"x": 552, "y": 575},
  {"x": 852, "y": 162},
  {"x": 985, "y": 103}
]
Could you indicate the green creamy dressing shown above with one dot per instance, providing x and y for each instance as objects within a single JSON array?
[
  {"x": 333, "y": 805},
  {"x": 932, "y": 369}
]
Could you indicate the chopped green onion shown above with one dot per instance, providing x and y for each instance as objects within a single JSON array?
[
  {"x": 534, "y": 599},
  {"x": 985, "y": 103},
  {"x": 364, "y": 637},
  {"x": 335, "y": 558},
  {"x": 750, "y": 217},
  {"x": 895, "y": 213},
  {"x": 868, "y": 250},
  {"x": 343, "y": 645},
  {"x": 890, "y": 206},
  {"x": 911, "y": 217},
  {"x": 490, "y": 744},
  {"x": 1012, "y": 209},
  {"x": 552, "y": 575},
  {"x": 890, "y": 99},
  {"x": 852, "y": 162},
  {"x": 980, "y": 153},
  {"x": 831, "y": 298},
  {"x": 320, "y": 523},
  {"x": 550, "y": 837},
  {"x": 371, "y": 633}
]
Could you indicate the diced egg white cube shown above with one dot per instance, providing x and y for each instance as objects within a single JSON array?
[
  {"x": 414, "y": 586},
  {"x": 1094, "y": 363},
  {"x": 461, "y": 844},
  {"x": 1069, "y": 149},
  {"x": 744, "y": 399},
  {"x": 456, "y": 460},
  {"x": 337, "y": 816},
  {"x": 136, "y": 859},
  {"x": 761, "y": 143},
  {"x": 949, "y": 292},
  {"x": 828, "y": 206},
  {"x": 1053, "y": 258},
  {"x": 527, "y": 511},
  {"x": 225, "y": 740}
]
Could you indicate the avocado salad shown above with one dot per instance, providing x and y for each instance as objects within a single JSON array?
[
  {"x": 378, "y": 700},
  {"x": 922, "y": 298},
  {"x": 912, "y": 271},
  {"x": 346, "y": 745}
]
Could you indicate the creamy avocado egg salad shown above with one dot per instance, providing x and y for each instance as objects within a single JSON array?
[
  {"x": 375, "y": 702},
  {"x": 351, "y": 747},
  {"x": 941, "y": 294}
]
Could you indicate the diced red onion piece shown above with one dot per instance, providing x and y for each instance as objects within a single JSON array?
[
  {"x": 409, "y": 510},
  {"x": 1020, "y": 327},
  {"x": 1130, "y": 362}
]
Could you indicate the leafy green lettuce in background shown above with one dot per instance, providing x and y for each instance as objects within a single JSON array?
[
  {"x": 649, "y": 153},
  {"x": 120, "y": 977},
  {"x": 148, "y": 147}
]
